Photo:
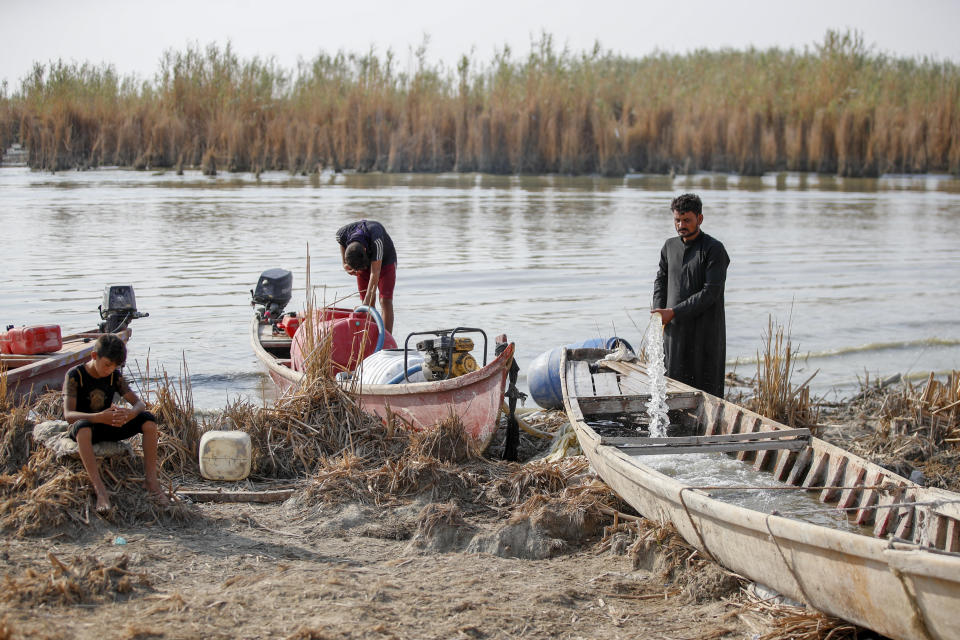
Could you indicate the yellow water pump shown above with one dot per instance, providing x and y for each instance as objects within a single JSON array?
[{"x": 445, "y": 357}]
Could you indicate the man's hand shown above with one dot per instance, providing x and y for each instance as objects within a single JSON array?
[{"x": 666, "y": 315}]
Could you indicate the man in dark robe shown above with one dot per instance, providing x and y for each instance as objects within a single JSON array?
[{"x": 688, "y": 295}]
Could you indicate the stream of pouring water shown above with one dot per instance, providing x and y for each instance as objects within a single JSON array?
[{"x": 656, "y": 370}]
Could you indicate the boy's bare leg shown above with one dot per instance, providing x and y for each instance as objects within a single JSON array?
[
  {"x": 89, "y": 460},
  {"x": 150, "y": 461},
  {"x": 387, "y": 306}
]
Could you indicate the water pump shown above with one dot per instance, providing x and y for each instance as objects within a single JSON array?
[
  {"x": 119, "y": 308},
  {"x": 446, "y": 357}
]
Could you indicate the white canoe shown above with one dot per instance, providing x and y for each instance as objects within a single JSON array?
[{"x": 899, "y": 576}]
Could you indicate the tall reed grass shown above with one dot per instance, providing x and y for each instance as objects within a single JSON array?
[{"x": 838, "y": 107}]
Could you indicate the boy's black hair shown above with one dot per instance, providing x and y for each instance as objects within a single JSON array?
[
  {"x": 356, "y": 256},
  {"x": 111, "y": 347},
  {"x": 687, "y": 202}
]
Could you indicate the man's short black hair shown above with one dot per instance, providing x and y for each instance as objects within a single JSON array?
[
  {"x": 688, "y": 202},
  {"x": 111, "y": 347},
  {"x": 356, "y": 256}
]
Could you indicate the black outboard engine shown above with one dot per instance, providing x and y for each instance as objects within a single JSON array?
[
  {"x": 274, "y": 291},
  {"x": 119, "y": 308}
]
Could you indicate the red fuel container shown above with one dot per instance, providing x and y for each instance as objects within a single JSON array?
[
  {"x": 4, "y": 343},
  {"x": 29, "y": 341},
  {"x": 289, "y": 324}
]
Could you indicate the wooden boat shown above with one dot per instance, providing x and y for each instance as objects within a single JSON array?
[
  {"x": 30, "y": 375},
  {"x": 897, "y": 572},
  {"x": 475, "y": 397}
]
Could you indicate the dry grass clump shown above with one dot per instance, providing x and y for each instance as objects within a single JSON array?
[
  {"x": 48, "y": 405},
  {"x": 435, "y": 516},
  {"x": 539, "y": 478},
  {"x": 774, "y": 394},
  {"x": 447, "y": 442},
  {"x": 48, "y": 496},
  {"x": 320, "y": 422},
  {"x": 84, "y": 580},
  {"x": 15, "y": 440},
  {"x": 772, "y": 620},
  {"x": 674, "y": 559},
  {"x": 179, "y": 443},
  {"x": 570, "y": 514}
]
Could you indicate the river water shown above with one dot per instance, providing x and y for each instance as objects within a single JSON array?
[{"x": 865, "y": 273}]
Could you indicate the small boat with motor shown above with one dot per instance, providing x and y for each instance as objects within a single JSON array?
[
  {"x": 421, "y": 383},
  {"x": 892, "y": 566},
  {"x": 36, "y": 358}
]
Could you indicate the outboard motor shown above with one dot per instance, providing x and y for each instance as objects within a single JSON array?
[
  {"x": 274, "y": 291},
  {"x": 119, "y": 308}
]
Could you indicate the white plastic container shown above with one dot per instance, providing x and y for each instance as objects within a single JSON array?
[
  {"x": 385, "y": 365},
  {"x": 225, "y": 455}
]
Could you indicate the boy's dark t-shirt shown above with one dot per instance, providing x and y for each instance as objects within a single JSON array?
[
  {"x": 371, "y": 235},
  {"x": 93, "y": 394}
]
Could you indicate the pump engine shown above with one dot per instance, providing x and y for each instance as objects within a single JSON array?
[
  {"x": 273, "y": 293},
  {"x": 119, "y": 308},
  {"x": 446, "y": 357}
]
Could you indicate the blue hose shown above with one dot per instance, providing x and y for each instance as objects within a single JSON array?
[
  {"x": 400, "y": 376},
  {"x": 376, "y": 318}
]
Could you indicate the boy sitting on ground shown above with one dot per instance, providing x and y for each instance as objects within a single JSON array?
[{"x": 88, "y": 392}]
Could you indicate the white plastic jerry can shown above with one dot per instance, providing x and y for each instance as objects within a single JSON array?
[{"x": 225, "y": 455}]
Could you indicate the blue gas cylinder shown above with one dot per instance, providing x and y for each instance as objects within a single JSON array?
[{"x": 543, "y": 373}]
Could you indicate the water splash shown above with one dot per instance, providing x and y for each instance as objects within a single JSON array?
[{"x": 657, "y": 405}]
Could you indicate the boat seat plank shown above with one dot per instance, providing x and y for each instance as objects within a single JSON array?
[
  {"x": 787, "y": 439},
  {"x": 582, "y": 380},
  {"x": 654, "y": 450},
  {"x": 599, "y": 405},
  {"x": 634, "y": 386},
  {"x": 605, "y": 384}
]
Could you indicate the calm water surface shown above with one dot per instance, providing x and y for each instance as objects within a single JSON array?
[{"x": 866, "y": 273}]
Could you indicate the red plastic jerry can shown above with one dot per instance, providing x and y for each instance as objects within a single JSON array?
[{"x": 30, "y": 341}]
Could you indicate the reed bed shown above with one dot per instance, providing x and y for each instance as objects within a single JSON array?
[{"x": 837, "y": 107}]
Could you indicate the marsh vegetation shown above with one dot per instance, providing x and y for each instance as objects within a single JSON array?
[{"x": 837, "y": 107}]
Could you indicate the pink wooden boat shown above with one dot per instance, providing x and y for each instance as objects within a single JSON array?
[{"x": 476, "y": 397}]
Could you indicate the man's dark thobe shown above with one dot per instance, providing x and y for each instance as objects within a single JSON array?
[{"x": 690, "y": 281}]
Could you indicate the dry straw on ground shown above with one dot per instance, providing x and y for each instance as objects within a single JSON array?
[{"x": 83, "y": 580}]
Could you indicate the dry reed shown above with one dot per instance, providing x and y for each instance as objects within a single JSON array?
[
  {"x": 48, "y": 495},
  {"x": 775, "y": 396},
  {"x": 837, "y": 107},
  {"x": 771, "y": 620},
  {"x": 84, "y": 580}
]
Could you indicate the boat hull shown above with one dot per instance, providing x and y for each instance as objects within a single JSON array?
[
  {"x": 901, "y": 590},
  {"x": 476, "y": 398},
  {"x": 28, "y": 376}
]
